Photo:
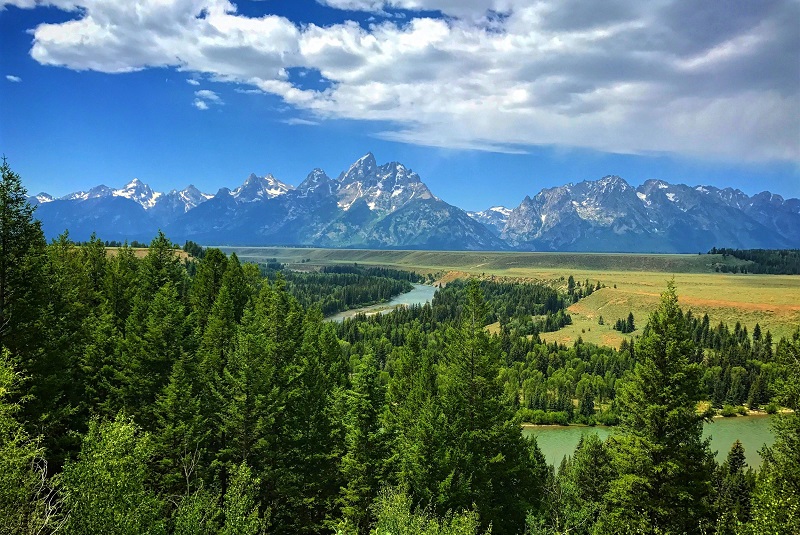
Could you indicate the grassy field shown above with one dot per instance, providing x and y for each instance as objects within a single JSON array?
[
  {"x": 141, "y": 252},
  {"x": 499, "y": 263},
  {"x": 773, "y": 301}
]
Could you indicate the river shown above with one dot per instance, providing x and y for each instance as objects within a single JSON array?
[
  {"x": 419, "y": 295},
  {"x": 752, "y": 431}
]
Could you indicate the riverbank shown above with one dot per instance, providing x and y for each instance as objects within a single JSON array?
[
  {"x": 753, "y": 432},
  {"x": 419, "y": 295}
]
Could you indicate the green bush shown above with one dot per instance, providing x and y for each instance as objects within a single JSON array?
[
  {"x": 729, "y": 411},
  {"x": 540, "y": 417},
  {"x": 771, "y": 408}
]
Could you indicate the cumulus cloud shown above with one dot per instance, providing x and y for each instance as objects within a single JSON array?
[
  {"x": 204, "y": 98},
  {"x": 12, "y": 78},
  {"x": 703, "y": 79},
  {"x": 207, "y": 94},
  {"x": 192, "y": 81}
]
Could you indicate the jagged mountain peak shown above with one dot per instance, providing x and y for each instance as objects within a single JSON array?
[
  {"x": 362, "y": 170},
  {"x": 390, "y": 206},
  {"x": 494, "y": 218},
  {"x": 613, "y": 182},
  {"x": 257, "y": 188},
  {"x": 317, "y": 181},
  {"x": 138, "y": 191},
  {"x": 385, "y": 188},
  {"x": 193, "y": 196},
  {"x": 97, "y": 191}
]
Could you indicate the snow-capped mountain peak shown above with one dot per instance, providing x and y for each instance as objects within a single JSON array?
[
  {"x": 384, "y": 188},
  {"x": 494, "y": 218},
  {"x": 138, "y": 191},
  {"x": 317, "y": 181},
  {"x": 361, "y": 171},
  {"x": 257, "y": 188},
  {"x": 44, "y": 197},
  {"x": 502, "y": 210}
]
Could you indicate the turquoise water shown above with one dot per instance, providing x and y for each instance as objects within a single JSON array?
[
  {"x": 420, "y": 295},
  {"x": 753, "y": 432}
]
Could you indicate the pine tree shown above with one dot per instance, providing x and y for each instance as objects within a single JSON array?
[
  {"x": 415, "y": 419},
  {"x": 663, "y": 465},
  {"x": 366, "y": 445},
  {"x": 205, "y": 286},
  {"x": 22, "y": 276},
  {"x": 314, "y": 453},
  {"x": 160, "y": 266},
  {"x": 183, "y": 431},
  {"x": 151, "y": 349},
  {"x": 488, "y": 462},
  {"x": 733, "y": 486},
  {"x": 575, "y": 497},
  {"x": 121, "y": 283}
]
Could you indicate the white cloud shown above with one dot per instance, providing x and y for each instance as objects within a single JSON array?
[
  {"x": 622, "y": 76},
  {"x": 297, "y": 121},
  {"x": 205, "y": 98},
  {"x": 192, "y": 81},
  {"x": 12, "y": 78},
  {"x": 207, "y": 94}
]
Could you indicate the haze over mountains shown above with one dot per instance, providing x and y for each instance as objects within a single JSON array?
[{"x": 388, "y": 206}]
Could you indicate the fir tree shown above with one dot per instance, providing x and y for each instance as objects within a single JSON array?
[
  {"x": 366, "y": 445},
  {"x": 663, "y": 465},
  {"x": 733, "y": 486}
]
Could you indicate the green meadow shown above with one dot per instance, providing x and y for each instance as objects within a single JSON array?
[{"x": 631, "y": 283}]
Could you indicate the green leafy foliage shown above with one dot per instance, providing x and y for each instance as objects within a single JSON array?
[{"x": 105, "y": 489}]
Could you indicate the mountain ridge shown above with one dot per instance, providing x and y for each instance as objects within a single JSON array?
[{"x": 389, "y": 206}]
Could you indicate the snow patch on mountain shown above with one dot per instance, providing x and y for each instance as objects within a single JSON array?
[
  {"x": 257, "y": 188},
  {"x": 138, "y": 191}
]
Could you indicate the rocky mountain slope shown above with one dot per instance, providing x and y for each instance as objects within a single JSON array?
[
  {"x": 610, "y": 215},
  {"x": 388, "y": 206}
]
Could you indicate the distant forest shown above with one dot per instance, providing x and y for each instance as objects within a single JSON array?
[
  {"x": 163, "y": 395},
  {"x": 770, "y": 261}
]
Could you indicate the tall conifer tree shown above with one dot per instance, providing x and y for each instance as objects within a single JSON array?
[{"x": 663, "y": 464}]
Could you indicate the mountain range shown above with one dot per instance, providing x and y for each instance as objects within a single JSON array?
[{"x": 388, "y": 206}]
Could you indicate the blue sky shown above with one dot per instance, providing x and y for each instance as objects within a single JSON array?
[{"x": 488, "y": 100}]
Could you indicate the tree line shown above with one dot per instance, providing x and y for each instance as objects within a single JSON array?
[{"x": 769, "y": 261}]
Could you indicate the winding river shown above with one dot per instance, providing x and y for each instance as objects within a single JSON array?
[
  {"x": 558, "y": 441},
  {"x": 753, "y": 432},
  {"x": 419, "y": 295}
]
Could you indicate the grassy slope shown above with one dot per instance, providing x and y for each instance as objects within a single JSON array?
[{"x": 771, "y": 300}]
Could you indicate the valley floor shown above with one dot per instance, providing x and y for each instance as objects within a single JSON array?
[{"x": 632, "y": 283}]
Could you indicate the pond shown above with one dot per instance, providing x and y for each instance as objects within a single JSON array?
[
  {"x": 419, "y": 295},
  {"x": 752, "y": 431}
]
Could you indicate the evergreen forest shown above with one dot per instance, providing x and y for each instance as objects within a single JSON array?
[{"x": 155, "y": 394}]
